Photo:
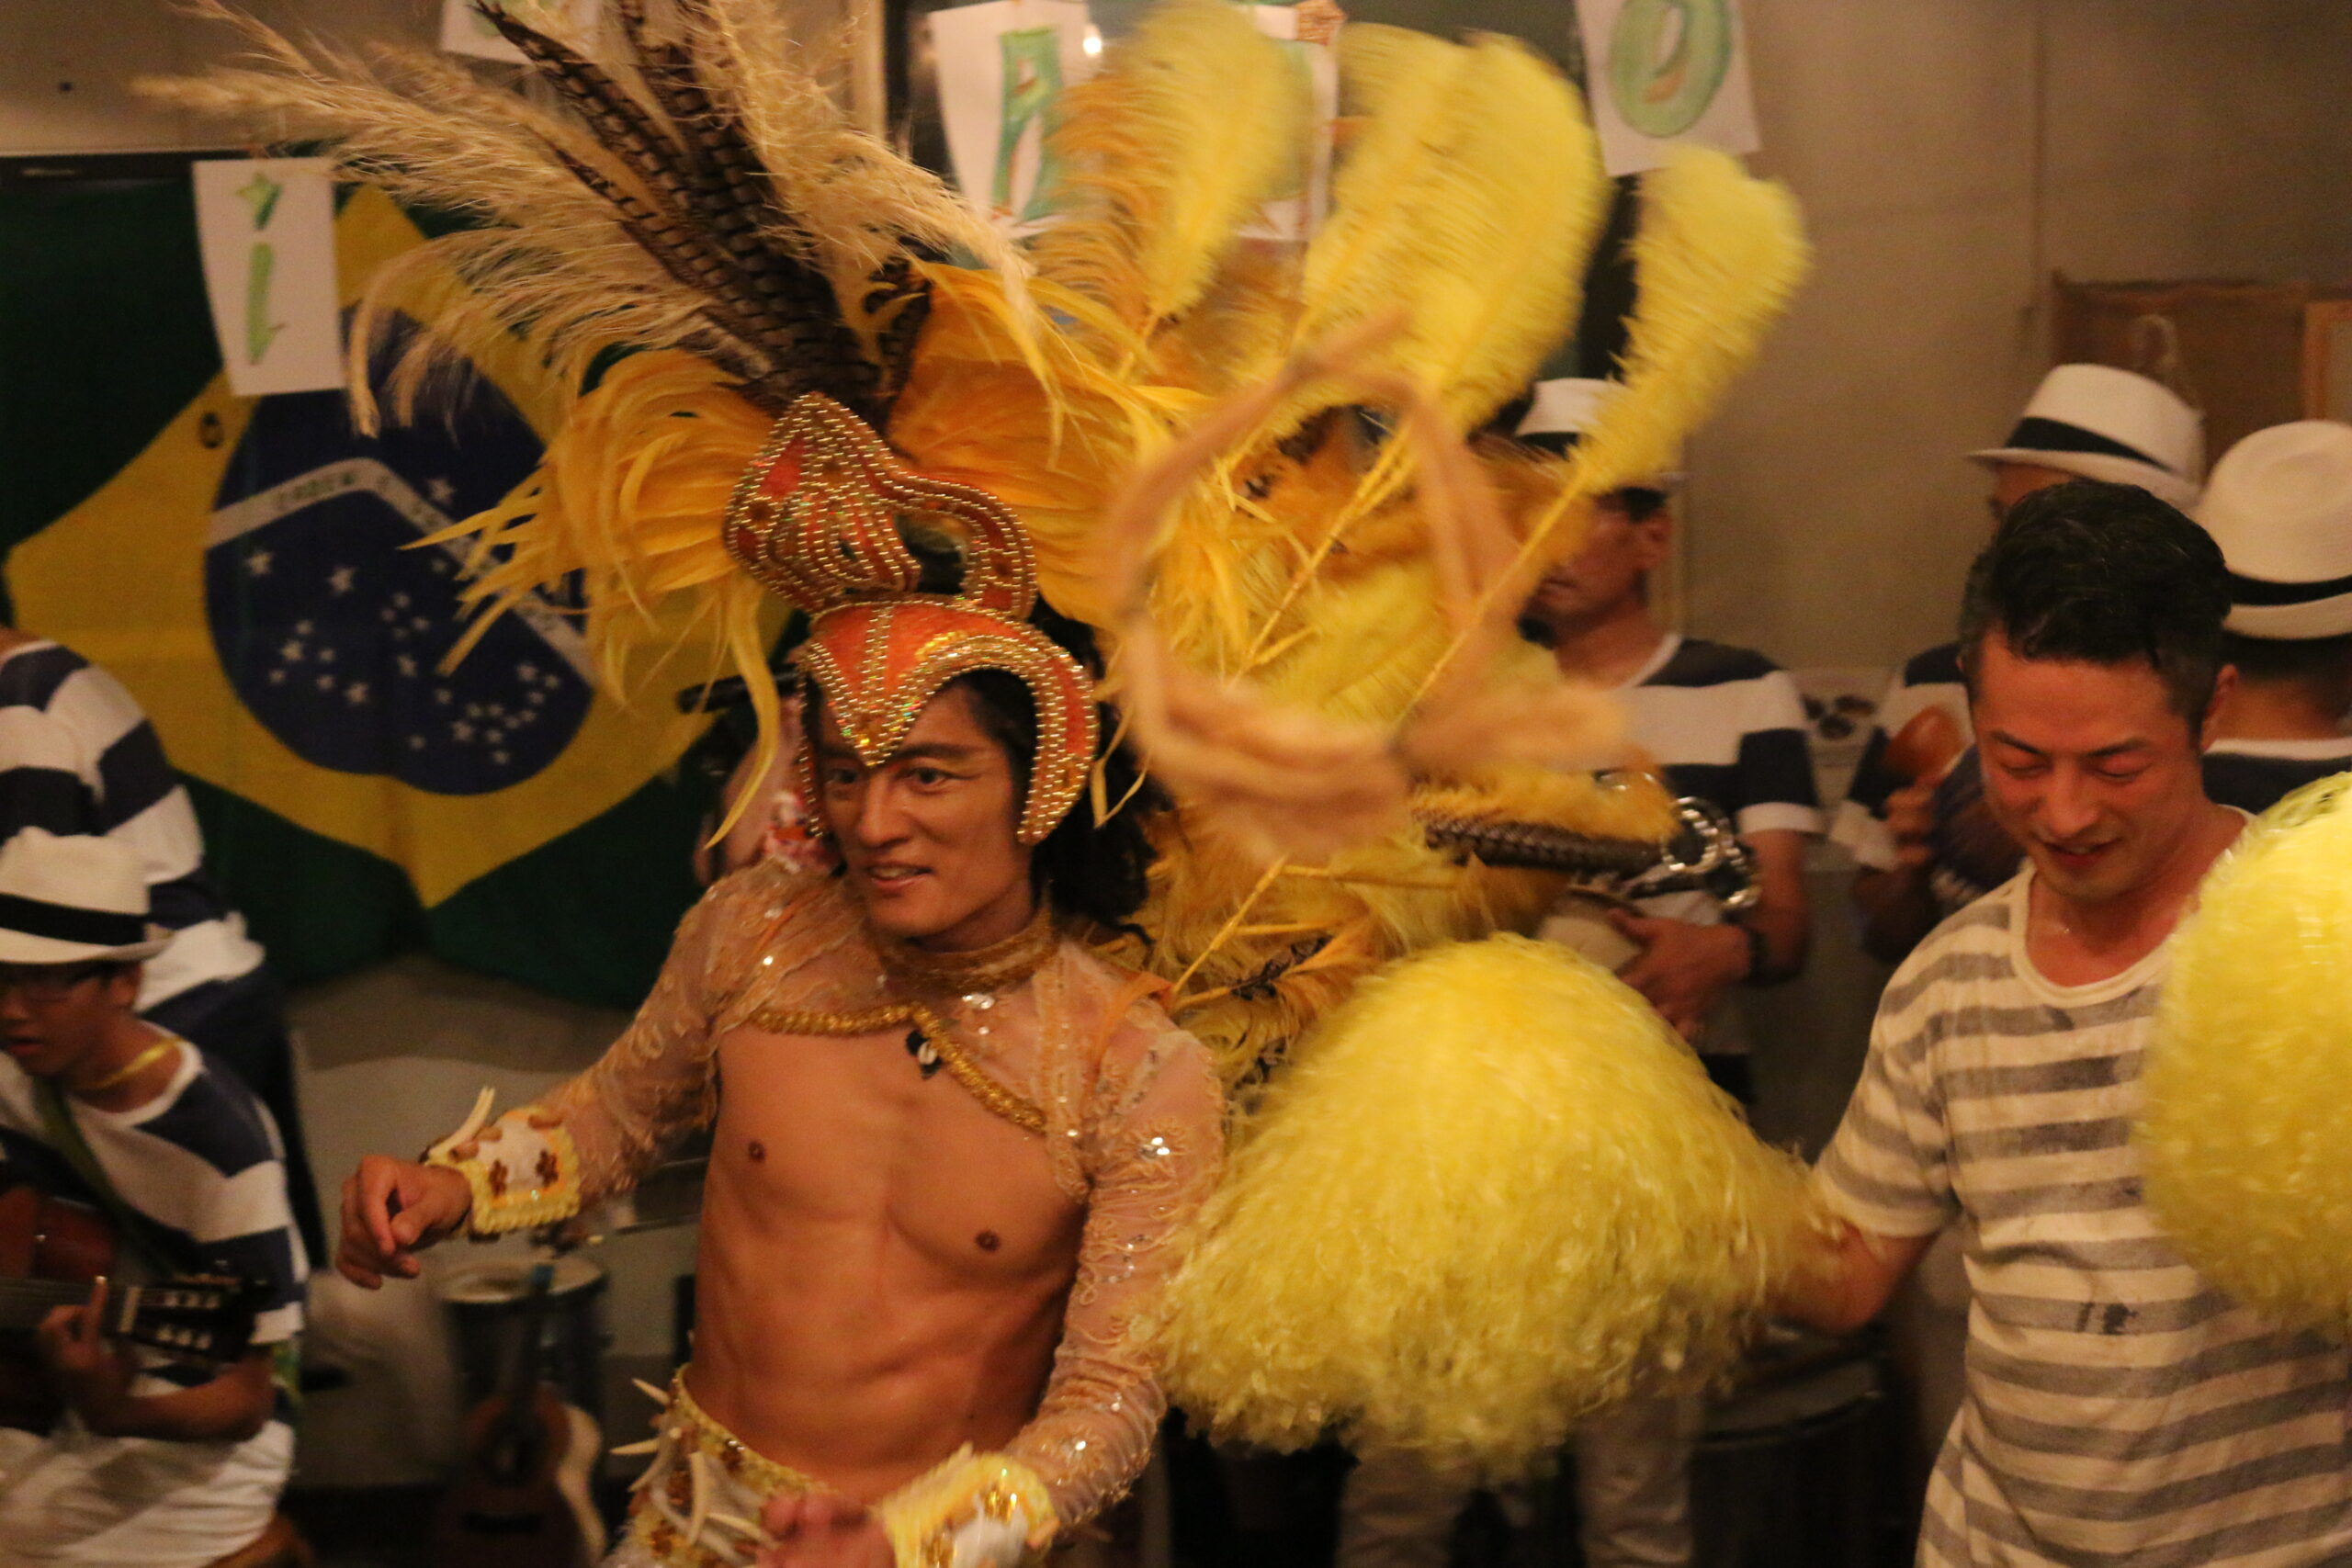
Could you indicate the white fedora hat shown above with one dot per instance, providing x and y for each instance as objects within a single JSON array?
[
  {"x": 2280, "y": 507},
  {"x": 2106, "y": 424},
  {"x": 68, "y": 900},
  {"x": 1560, "y": 410}
]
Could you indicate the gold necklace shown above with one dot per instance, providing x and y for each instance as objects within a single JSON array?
[
  {"x": 982, "y": 972},
  {"x": 997, "y": 967},
  {"x": 136, "y": 1065},
  {"x": 928, "y": 1040}
]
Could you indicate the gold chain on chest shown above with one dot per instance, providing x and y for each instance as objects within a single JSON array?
[{"x": 992, "y": 1096}]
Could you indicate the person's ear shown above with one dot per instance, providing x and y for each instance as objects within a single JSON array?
[
  {"x": 2225, "y": 685},
  {"x": 1655, "y": 538},
  {"x": 122, "y": 986}
]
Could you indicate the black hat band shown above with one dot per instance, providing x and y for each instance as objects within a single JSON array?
[
  {"x": 65, "y": 922},
  {"x": 2033, "y": 434},
  {"x": 2254, "y": 594}
]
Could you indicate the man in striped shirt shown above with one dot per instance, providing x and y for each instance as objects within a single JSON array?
[
  {"x": 78, "y": 757},
  {"x": 2118, "y": 1409},
  {"x": 157, "y": 1463}
]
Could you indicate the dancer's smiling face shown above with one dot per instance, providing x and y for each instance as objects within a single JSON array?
[{"x": 927, "y": 837}]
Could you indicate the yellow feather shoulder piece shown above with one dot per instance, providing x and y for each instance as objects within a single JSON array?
[
  {"x": 2242, "y": 1132},
  {"x": 1489, "y": 1195}
]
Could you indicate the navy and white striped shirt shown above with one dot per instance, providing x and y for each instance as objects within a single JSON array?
[
  {"x": 1931, "y": 680},
  {"x": 1726, "y": 724},
  {"x": 78, "y": 757},
  {"x": 203, "y": 1163},
  {"x": 2255, "y": 775}
]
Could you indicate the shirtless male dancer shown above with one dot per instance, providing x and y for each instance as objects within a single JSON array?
[{"x": 914, "y": 1285}]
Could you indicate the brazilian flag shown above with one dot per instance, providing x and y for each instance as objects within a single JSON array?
[{"x": 248, "y": 568}]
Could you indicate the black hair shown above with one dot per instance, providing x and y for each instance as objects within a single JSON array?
[
  {"x": 1640, "y": 502},
  {"x": 2105, "y": 574},
  {"x": 1089, "y": 869},
  {"x": 1092, "y": 869}
]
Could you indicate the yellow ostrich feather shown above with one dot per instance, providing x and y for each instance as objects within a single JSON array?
[
  {"x": 1471, "y": 192},
  {"x": 1373, "y": 637},
  {"x": 1368, "y": 1269},
  {"x": 630, "y": 495},
  {"x": 1717, "y": 257},
  {"x": 1049, "y": 435},
  {"x": 1194, "y": 121},
  {"x": 2242, "y": 1133}
]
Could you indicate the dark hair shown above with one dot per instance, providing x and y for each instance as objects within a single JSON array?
[
  {"x": 1093, "y": 870},
  {"x": 2106, "y": 574},
  {"x": 1639, "y": 502},
  {"x": 1096, "y": 870}
]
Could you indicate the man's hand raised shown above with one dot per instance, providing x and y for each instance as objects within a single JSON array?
[
  {"x": 821, "y": 1531},
  {"x": 393, "y": 1209}
]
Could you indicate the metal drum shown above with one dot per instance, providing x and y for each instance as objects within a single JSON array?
[
  {"x": 484, "y": 1302},
  {"x": 1795, "y": 1468}
]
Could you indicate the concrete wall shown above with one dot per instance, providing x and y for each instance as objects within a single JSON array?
[{"x": 1949, "y": 155}]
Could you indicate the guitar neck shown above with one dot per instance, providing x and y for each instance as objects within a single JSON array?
[{"x": 24, "y": 1303}]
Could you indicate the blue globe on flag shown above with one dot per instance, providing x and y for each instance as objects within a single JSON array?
[{"x": 332, "y": 622}]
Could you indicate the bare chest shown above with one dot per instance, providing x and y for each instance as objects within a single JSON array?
[{"x": 817, "y": 1133}]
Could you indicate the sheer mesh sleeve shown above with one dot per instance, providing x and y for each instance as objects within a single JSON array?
[
  {"x": 595, "y": 1135},
  {"x": 1155, "y": 1139}
]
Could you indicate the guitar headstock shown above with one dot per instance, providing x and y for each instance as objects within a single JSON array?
[{"x": 195, "y": 1317}]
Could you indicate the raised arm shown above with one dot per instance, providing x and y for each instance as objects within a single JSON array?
[
  {"x": 585, "y": 1139},
  {"x": 595, "y": 1135}
]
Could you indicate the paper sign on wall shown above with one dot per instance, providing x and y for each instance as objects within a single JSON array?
[
  {"x": 1659, "y": 72},
  {"x": 465, "y": 31},
  {"x": 265, "y": 227},
  {"x": 1002, "y": 67}
]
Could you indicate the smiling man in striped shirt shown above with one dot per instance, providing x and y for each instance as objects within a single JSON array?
[{"x": 2119, "y": 1410}]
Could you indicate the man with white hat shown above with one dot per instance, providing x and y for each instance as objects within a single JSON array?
[
  {"x": 2084, "y": 422},
  {"x": 99, "y": 1106},
  {"x": 2280, "y": 504}
]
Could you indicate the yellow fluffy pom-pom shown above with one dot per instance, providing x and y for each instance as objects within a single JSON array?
[
  {"x": 1489, "y": 1195},
  {"x": 2244, "y": 1135}
]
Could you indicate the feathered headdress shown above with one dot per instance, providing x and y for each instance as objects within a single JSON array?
[{"x": 1310, "y": 628}]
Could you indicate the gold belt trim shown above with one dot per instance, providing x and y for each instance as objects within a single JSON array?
[{"x": 690, "y": 1424}]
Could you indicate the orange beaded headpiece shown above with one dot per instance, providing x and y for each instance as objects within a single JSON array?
[{"x": 821, "y": 519}]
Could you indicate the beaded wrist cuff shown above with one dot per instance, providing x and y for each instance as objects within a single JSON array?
[
  {"x": 523, "y": 1176},
  {"x": 975, "y": 1511}
]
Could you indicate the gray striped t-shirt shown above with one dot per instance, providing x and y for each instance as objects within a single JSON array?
[{"x": 2119, "y": 1410}]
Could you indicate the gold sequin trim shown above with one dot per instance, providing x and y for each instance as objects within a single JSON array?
[
  {"x": 992, "y": 1096},
  {"x": 691, "y": 1424}
]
